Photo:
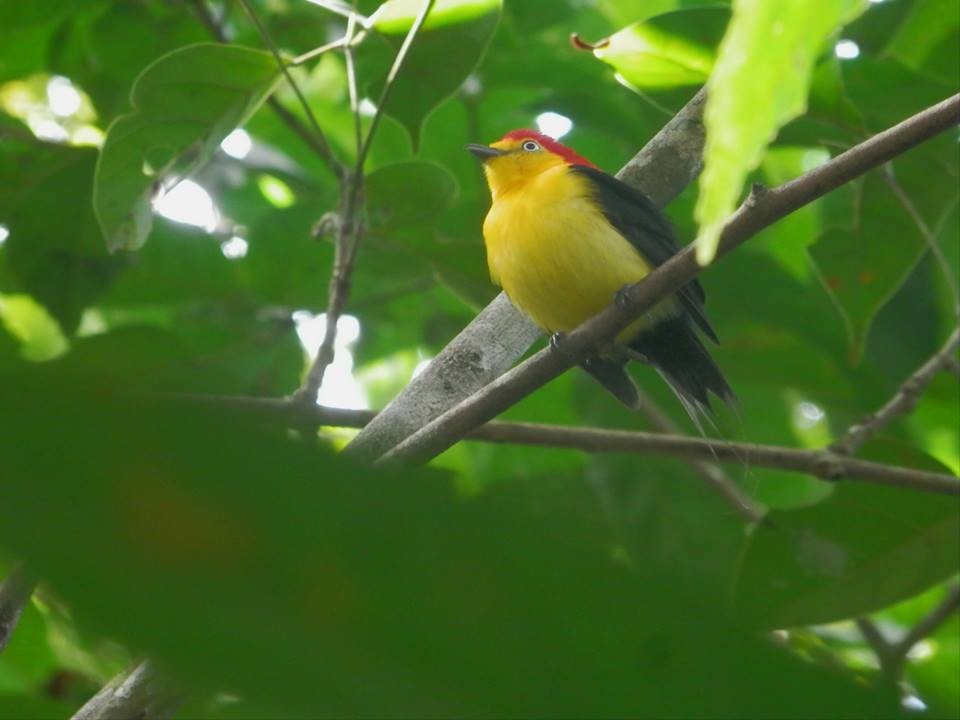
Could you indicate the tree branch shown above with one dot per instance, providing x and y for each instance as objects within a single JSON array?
[
  {"x": 15, "y": 593},
  {"x": 819, "y": 463},
  {"x": 348, "y": 232},
  {"x": 892, "y": 656},
  {"x": 135, "y": 694},
  {"x": 903, "y": 401},
  {"x": 501, "y": 334},
  {"x": 761, "y": 209}
]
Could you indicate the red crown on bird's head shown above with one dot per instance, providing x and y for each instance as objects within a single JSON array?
[{"x": 550, "y": 145}]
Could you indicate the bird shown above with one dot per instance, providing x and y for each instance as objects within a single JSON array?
[{"x": 563, "y": 239}]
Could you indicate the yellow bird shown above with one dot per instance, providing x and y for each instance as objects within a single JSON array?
[{"x": 563, "y": 238}]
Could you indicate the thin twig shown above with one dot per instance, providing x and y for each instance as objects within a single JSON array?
[
  {"x": 819, "y": 463},
  {"x": 709, "y": 472},
  {"x": 348, "y": 229},
  {"x": 762, "y": 209},
  {"x": 893, "y": 655},
  {"x": 15, "y": 592},
  {"x": 343, "y": 42},
  {"x": 903, "y": 401},
  {"x": 320, "y": 139}
]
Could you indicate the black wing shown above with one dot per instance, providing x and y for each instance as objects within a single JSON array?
[{"x": 648, "y": 230}]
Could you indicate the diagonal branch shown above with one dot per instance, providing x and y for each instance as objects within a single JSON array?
[
  {"x": 321, "y": 146},
  {"x": 15, "y": 592},
  {"x": 501, "y": 334},
  {"x": 903, "y": 401},
  {"x": 132, "y": 695},
  {"x": 893, "y": 655},
  {"x": 761, "y": 209}
]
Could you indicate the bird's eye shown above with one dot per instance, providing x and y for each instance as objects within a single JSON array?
[{"x": 530, "y": 146}]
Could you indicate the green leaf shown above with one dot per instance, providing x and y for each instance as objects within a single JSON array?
[
  {"x": 648, "y": 55},
  {"x": 185, "y": 103},
  {"x": 759, "y": 83},
  {"x": 242, "y": 559},
  {"x": 860, "y": 273},
  {"x": 861, "y": 549},
  {"x": 450, "y": 44},
  {"x": 928, "y": 40},
  {"x": 408, "y": 193}
]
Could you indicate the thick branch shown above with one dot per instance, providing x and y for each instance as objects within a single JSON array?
[
  {"x": 903, "y": 401},
  {"x": 501, "y": 334},
  {"x": 819, "y": 463},
  {"x": 136, "y": 694},
  {"x": 15, "y": 593},
  {"x": 761, "y": 209}
]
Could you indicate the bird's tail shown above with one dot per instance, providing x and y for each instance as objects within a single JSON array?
[{"x": 673, "y": 348}]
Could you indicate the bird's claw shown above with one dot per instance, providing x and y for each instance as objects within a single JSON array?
[
  {"x": 621, "y": 297},
  {"x": 556, "y": 340}
]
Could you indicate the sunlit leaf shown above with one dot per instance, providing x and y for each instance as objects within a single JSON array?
[
  {"x": 759, "y": 83},
  {"x": 185, "y": 104},
  {"x": 647, "y": 56}
]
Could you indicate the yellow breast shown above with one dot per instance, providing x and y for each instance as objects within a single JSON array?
[{"x": 554, "y": 253}]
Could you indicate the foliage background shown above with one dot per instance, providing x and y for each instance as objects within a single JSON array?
[{"x": 269, "y": 576}]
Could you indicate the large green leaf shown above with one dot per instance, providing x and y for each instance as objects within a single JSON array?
[
  {"x": 928, "y": 40},
  {"x": 408, "y": 193},
  {"x": 185, "y": 103},
  {"x": 450, "y": 44},
  {"x": 246, "y": 561},
  {"x": 860, "y": 273},
  {"x": 861, "y": 549},
  {"x": 758, "y": 84}
]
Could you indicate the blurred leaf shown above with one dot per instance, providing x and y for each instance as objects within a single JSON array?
[
  {"x": 860, "y": 273},
  {"x": 185, "y": 104},
  {"x": 408, "y": 193},
  {"x": 935, "y": 676},
  {"x": 928, "y": 40},
  {"x": 450, "y": 44},
  {"x": 40, "y": 337},
  {"x": 864, "y": 547},
  {"x": 244, "y": 560},
  {"x": 759, "y": 83},
  {"x": 647, "y": 55},
  {"x": 56, "y": 253}
]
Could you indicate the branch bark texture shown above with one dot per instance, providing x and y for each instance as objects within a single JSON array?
[
  {"x": 501, "y": 334},
  {"x": 136, "y": 694},
  {"x": 763, "y": 208},
  {"x": 823, "y": 464},
  {"x": 15, "y": 592}
]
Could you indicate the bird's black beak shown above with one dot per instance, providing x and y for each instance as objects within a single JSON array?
[{"x": 484, "y": 152}]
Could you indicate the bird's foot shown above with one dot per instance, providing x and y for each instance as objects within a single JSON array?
[{"x": 621, "y": 298}]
